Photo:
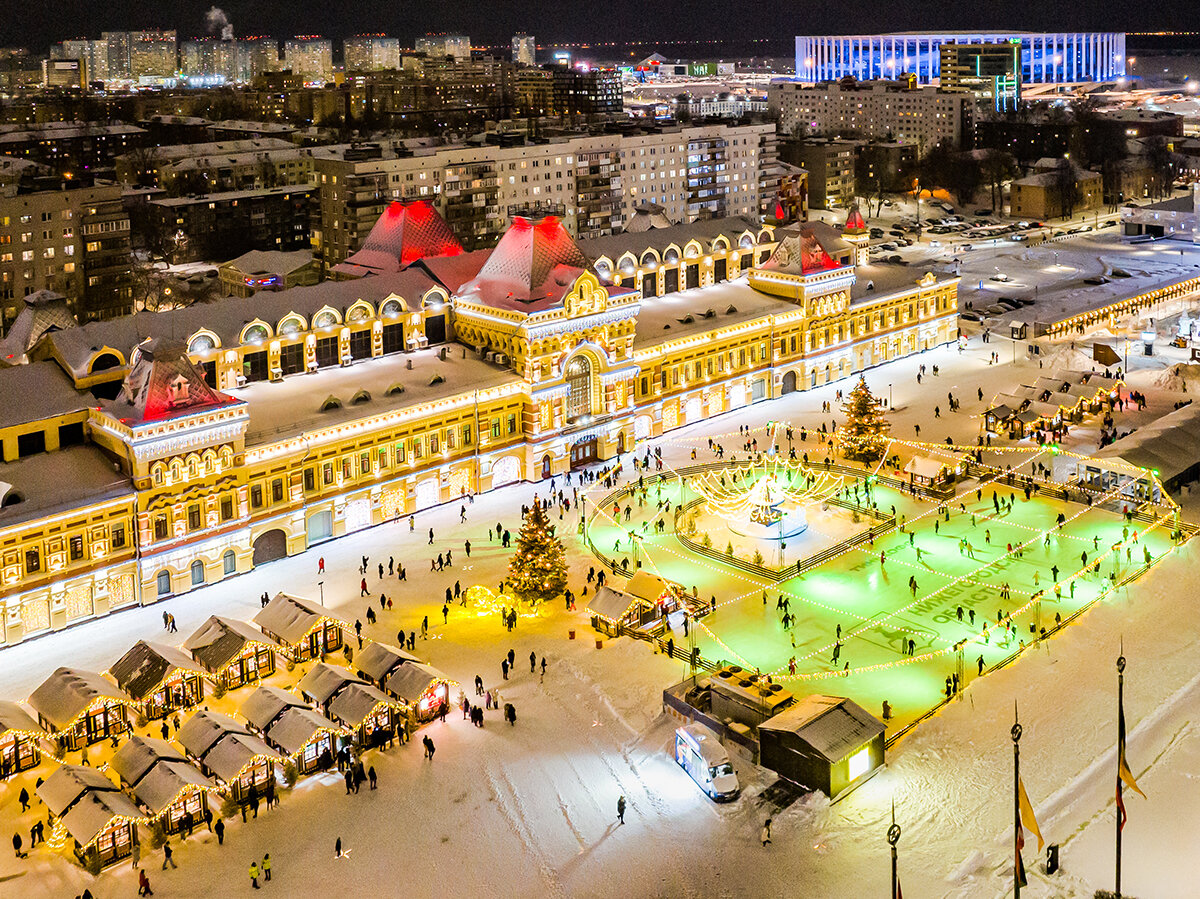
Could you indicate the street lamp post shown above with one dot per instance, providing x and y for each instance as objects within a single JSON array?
[{"x": 321, "y": 584}]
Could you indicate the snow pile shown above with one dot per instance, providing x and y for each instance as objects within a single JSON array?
[
  {"x": 1070, "y": 358},
  {"x": 1184, "y": 376}
]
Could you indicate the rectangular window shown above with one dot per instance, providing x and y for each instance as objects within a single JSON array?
[
  {"x": 75, "y": 547},
  {"x": 399, "y": 453},
  {"x": 449, "y": 438},
  {"x": 347, "y": 468},
  {"x": 512, "y": 424},
  {"x": 310, "y": 480},
  {"x": 327, "y": 474},
  {"x": 226, "y": 508},
  {"x": 433, "y": 443},
  {"x": 160, "y": 527},
  {"x": 417, "y": 448},
  {"x": 466, "y": 435},
  {"x": 118, "y": 536},
  {"x": 383, "y": 458},
  {"x": 256, "y": 496},
  {"x": 364, "y": 462},
  {"x": 496, "y": 429},
  {"x": 33, "y": 561},
  {"x": 277, "y": 490},
  {"x": 194, "y": 517}
]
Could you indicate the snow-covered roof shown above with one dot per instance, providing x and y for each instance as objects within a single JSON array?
[
  {"x": 708, "y": 743},
  {"x": 292, "y": 618},
  {"x": 69, "y": 692},
  {"x": 43, "y": 312},
  {"x": 324, "y": 680},
  {"x": 297, "y": 727},
  {"x": 266, "y": 704},
  {"x": 377, "y": 659},
  {"x": 532, "y": 268},
  {"x": 223, "y": 744},
  {"x": 94, "y": 812},
  {"x": 137, "y": 755},
  {"x": 162, "y": 382},
  {"x": 356, "y": 702},
  {"x": 412, "y": 679},
  {"x": 925, "y": 467},
  {"x": 404, "y": 233},
  {"x": 1166, "y": 446},
  {"x": 220, "y": 641},
  {"x": 64, "y": 787},
  {"x": 647, "y": 586},
  {"x": 205, "y": 728},
  {"x": 13, "y": 716},
  {"x": 660, "y": 236},
  {"x": 146, "y": 666},
  {"x": 833, "y": 726},
  {"x": 55, "y": 482},
  {"x": 609, "y": 602}
]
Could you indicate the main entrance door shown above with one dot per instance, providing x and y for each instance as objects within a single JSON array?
[
  {"x": 270, "y": 546},
  {"x": 584, "y": 452}
]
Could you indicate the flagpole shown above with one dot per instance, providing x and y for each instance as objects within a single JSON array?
[
  {"x": 1120, "y": 711},
  {"x": 1016, "y": 738},
  {"x": 893, "y": 837}
]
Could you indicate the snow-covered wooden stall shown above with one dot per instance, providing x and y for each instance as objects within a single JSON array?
[
  {"x": 354, "y": 703},
  {"x": 81, "y": 707},
  {"x": 233, "y": 652},
  {"x": 305, "y": 629},
  {"x": 164, "y": 783},
  {"x": 291, "y": 727},
  {"x": 225, "y": 749},
  {"x": 423, "y": 688},
  {"x": 162, "y": 678},
  {"x": 20, "y": 739},
  {"x": 93, "y": 813}
]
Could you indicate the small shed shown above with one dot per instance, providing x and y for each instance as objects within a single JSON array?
[
  {"x": 226, "y": 749},
  {"x": 378, "y": 660},
  {"x": 305, "y": 629},
  {"x": 93, "y": 812},
  {"x": 611, "y": 609},
  {"x": 423, "y": 688},
  {"x": 81, "y": 707},
  {"x": 826, "y": 743},
  {"x": 163, "y": 678},
  {"x": 233, "y": 652},
  {"x": 351, "y": 701},
  {"x": 927, "y": 471},
  {"x": 20, "y": 739},
  {"x": 1018, "y": 329},
  {"x": 163, "y": 781},
  {"x": 292, "y": 728}
]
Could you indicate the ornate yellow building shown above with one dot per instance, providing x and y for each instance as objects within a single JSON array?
[{"x": 161, "y": 452}]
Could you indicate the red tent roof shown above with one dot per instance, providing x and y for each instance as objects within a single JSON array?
[
  {"x": 533, "y": 261},
  {"x": 855, "y": 221}
]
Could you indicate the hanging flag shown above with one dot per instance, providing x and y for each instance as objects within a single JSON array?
[
  {"x": 1028, "y": 821},
  {"x": 1020, "y": 864},
  {"x": 1123, "y": 771}
]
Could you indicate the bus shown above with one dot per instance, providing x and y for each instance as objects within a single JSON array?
[{"x": 701, "y": 755}]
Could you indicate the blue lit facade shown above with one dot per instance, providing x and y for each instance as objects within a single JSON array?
[{"x": 1045, "y": 58}]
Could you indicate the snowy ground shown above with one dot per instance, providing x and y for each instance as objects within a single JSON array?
[{"x": 530, "y": 810}]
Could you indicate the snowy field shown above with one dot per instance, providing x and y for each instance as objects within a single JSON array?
[{"x": 530, "y": 810}]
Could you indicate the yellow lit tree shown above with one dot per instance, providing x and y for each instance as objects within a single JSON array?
[
  {"x": 538, "y": 570},
  {"x": 864, "y": 435}
]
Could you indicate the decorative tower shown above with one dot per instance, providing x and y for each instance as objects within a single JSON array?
[{"x": 857, "y": 234}]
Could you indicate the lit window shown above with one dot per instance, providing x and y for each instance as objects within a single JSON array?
[{"x": 859, "y": 763}]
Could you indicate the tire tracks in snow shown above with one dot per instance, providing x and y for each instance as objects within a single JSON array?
[{"x": 508, "y": 801}]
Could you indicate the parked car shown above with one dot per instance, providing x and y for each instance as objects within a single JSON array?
[
  {"x": 970, "y": 316},
  {"x": 983, "y": 212}
]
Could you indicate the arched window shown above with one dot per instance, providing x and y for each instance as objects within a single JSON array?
[
  {"x": 197, "y": 573},
  {"x": 747, "y": 241},
  {"x": 255, "y": 334},
  {"x": 358, "y": 313},
  {"x": 627, "y": 265},
  {"x": 164, "y": 583},
  {"x": 391, "y": 307},
  {"x": 603, "y": 269},
  {"x": 648, "y": 258},
  {"x": 230, "y": 562},
  {"x": 291, "y": 325},
  {"x": 201, "y": 343},
  {"x": 579, "y": 384},
  {"x": 324, "y": 319},
  {"x": 671, "y": 256}
]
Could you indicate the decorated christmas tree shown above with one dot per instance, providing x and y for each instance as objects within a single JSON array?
[
  {"x": 864, "y": 435},
  {"x": 538, "y": 570}
]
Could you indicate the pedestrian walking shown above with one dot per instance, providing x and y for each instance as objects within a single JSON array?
[
  {"x": 765, "y": 834},
  {"x": 372, "y": 777},
  {"x": 504, "y": 668},
  {"x": 219, "y": 830},
  {"x": 478, "y": 685},
  {"x": 429, "y": 747},
  {"x": 621, "y": 809},
  {"x": 24, "y": 797},
  {"x": 17, "y": 845},
  {"x": 532, "y": 662},
  {"x": 254, "y": 874},
  {"x": 337, "y": 848},
  {"x": 144, "y": 884},
  {"x": 168, "y": 858},
  {"x": 266, "y": 866}
]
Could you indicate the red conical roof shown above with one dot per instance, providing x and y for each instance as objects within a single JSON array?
[
  {"x": 855, "y": 223},
  {"x": 405, "y": 233},
  {"x": 523, "y": 265}
]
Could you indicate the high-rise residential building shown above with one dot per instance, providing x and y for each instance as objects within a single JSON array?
[
  {"x": 591, "y": 182},
  {"x": 65, "y": 74},
  {"x": 153, "y": 54},
  {"x": 92, "y": 54},
  {"x": 370, "y": 53},
  {"x": 309, "y": 57},
  {"x": 989, "y": 72},
  {"x": 215, "y": 58},
  {"x": 592, "y": 92},
  {"x": 73, "y": 241},
  {"x": 881, "y": 110},
  {"x": 262, "y": 56},
  {"x": 1055, "y": 58},
  {"x": 524, "y": 50},
  {"x": 117, "y": 45},
  {"x": 456, "y": 45}
]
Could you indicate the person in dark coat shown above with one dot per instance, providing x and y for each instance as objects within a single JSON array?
[
  {"x": 510, "y": 713},
  {"x": 372, "y": 777}
]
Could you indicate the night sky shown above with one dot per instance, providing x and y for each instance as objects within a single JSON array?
[{"x": 39, "y": 24}]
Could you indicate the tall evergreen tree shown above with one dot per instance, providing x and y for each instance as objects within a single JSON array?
[
  {"x": 864, "y": 435},
  {"x": 538, "y": 570}
]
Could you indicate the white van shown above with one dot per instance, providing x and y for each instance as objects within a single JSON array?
[{"x": 700, "y": 754}]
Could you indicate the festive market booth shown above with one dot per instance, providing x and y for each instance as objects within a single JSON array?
[
  {"x": 647, "y": 598},
  {"x": 233, "y": 652},
  {"x": 423, "y": 688},
  {"x": 826, "y": 743},
  {"x": 81, "y": 707},
  {"x": 378, "y": 660},
  {"x": 163, "y": 679},
  {"x": 927, "y": 471},
  {"x": 305, "y": 629},
  {"x": 100, "y": 819},
  {"x": 291, "y": 727},
  {"x": 164, "y": 783},
  {"x": 1162, "y": 454},
  {"x": 225, "y": 748},
  {"x": 20, "y": 739},
  {"x": 351, "y": 701}
]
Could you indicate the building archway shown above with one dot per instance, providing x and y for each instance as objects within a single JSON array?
[
  {"x": 546, "y": 466},
  {"x": 789, "y": 383},
  {"x": 270, "y": 546},
  {"x": 506, "y": 471}
]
